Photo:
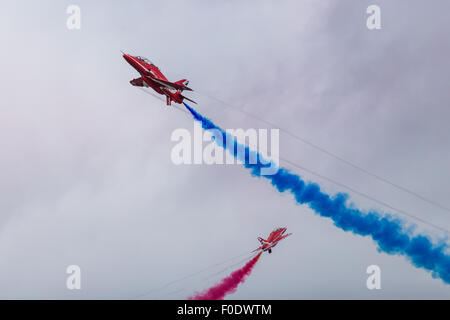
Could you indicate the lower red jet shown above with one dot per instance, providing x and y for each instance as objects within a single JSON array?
[
  {"x": 275, "y": 236},
  {"x": 152, "y": 77}
]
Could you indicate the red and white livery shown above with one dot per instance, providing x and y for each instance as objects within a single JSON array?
[
  {"x": 273, "y": 239},
  {"x": 152, "y": 77}
]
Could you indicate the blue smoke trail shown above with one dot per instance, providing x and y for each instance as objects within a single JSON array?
[{"x": 386, "y": 230}]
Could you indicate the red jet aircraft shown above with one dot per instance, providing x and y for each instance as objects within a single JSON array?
[
  {"x": 275, "y": 236},
  {"x": 153, "y": 78}
]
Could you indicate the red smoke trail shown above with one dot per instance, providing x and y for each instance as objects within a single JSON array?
[{"x": 228, "y": 284}]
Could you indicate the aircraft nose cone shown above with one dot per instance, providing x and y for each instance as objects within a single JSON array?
[{"x": 126, "y": 57}]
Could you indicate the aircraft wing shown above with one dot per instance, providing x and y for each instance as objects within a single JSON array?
[
  {"x": 170, "y": 85},
  {"x": 257, "y": 249},
  {"x": 188, "y": 99},
  {"x": 281, "y": 238},
  {"x": 275, "y": 242},
  {"x": 138, "y": 82}
]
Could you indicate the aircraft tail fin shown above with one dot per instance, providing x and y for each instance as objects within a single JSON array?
[{"x": 182, "y": 82}]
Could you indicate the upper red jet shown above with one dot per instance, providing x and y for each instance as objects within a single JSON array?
[
  {"x": 275, "y": 236},
  {"x": 153, "y": 78}
]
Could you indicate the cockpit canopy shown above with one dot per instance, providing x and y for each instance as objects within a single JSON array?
[{"x": 144, "y": 60}]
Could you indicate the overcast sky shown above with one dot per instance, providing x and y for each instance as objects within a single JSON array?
[{"x": 86, "y": 176}]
